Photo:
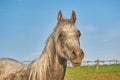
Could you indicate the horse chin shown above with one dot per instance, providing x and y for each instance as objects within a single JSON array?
[{"x": 75, "y": 63}]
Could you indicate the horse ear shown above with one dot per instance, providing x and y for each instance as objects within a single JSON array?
[
  {"x": 60, "y": 17},
  {"x": 73, "y": 17}
]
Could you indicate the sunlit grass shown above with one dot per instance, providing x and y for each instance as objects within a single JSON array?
[{"x": 84, "y": 72}]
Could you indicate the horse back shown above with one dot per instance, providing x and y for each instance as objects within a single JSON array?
[{"x": 9, "y": 67}]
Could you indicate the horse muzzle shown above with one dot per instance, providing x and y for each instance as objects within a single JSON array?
[{"x": 77, "y": 56}]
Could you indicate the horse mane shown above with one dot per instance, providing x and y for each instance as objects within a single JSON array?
[{"x": 41, "y": 68}]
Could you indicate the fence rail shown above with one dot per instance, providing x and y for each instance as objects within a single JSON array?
[
  {"x": 96, "y": 62},
  {"x": 101, "y": 62},
  {"x": 88, "y": 63}
]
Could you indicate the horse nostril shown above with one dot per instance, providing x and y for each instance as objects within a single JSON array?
[
  {"x": 73, "y": 54},
  {"x": 81, "y": 54}
]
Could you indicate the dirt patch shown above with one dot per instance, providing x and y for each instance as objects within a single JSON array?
[{"x": 105, "y": 78}]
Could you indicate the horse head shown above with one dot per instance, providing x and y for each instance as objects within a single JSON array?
[{"x": 67, "y": 39}]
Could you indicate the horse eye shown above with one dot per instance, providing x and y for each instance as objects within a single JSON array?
[{"x": 78, "y": 33}]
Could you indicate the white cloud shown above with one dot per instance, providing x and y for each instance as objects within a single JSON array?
[
  {"x": 112, "y": 34},
  {"x": 88, "y": 28}
]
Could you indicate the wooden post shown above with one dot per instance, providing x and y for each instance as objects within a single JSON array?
[
  {"x": 68, "y": 64},
  {"x": 88, "y": 63},
  {"x": 97, "y": 64},
  {"x": 103, "y": 62}
]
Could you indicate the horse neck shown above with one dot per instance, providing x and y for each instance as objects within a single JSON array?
[{"x": 49, "y": 66}]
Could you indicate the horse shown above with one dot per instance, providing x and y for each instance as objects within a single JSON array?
[{"x": 63, "y": 44}]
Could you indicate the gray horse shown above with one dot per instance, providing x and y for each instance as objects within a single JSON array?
[{"x": 62, "y": 45}]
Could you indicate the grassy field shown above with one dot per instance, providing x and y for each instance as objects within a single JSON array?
[{"x": 106, "y": 72}]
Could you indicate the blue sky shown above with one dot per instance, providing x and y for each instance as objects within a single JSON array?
[{"x": 26, "y": 24}]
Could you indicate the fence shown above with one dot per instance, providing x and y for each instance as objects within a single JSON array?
[
  {"x": 101, "y": 62},
  {"x": 96, "y": 62},
  {"x": 90, "y": 63}
]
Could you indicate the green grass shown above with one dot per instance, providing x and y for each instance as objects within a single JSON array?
[{"x": 84, "y": 72}]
